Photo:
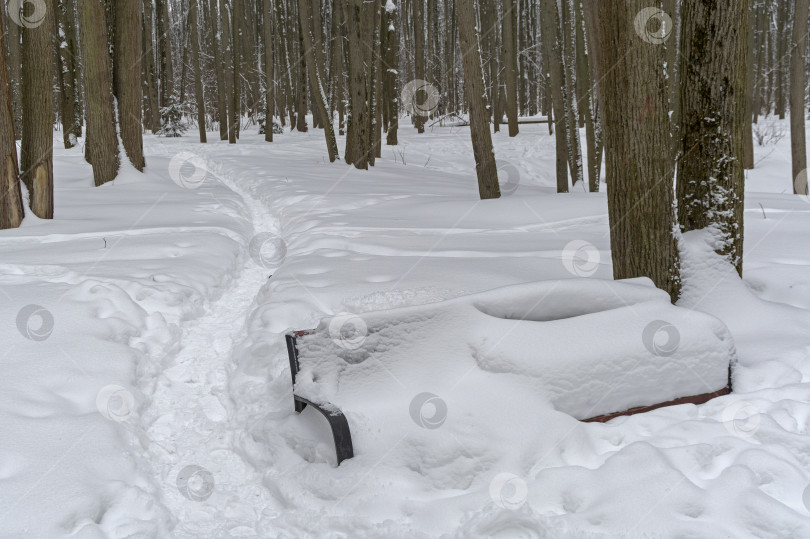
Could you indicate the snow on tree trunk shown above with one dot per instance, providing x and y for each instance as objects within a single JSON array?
[{"x": 713, "y": 115}]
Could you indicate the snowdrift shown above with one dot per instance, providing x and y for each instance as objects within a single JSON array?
[{"x": 489, "y": 363}]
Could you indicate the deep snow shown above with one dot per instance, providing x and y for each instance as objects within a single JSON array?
[{"x": 147, "y": 392}]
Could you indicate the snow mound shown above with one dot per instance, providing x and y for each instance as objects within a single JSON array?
[{"x": 483, "y": 366}]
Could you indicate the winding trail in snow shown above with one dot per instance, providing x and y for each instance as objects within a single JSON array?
[{"x": 190, "y": 432}]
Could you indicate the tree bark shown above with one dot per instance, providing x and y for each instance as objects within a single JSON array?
[
  {"x": 222, "y": 103},
  {"x": 419, "y": 57},
  {"x": 165, "y": 51},
  {"x": 485, "y": 166},
  {"x": 571, "y": 105},
  {"x": 638, "y": 157},
  {"x": 36, "y": 154},
  {"x": 550, "y": 35},
  {"x": 798, "y": 147},
  {"x": 11, "y": 205},
  {"x": 128, "y": 89},
  {"x": 269, "y": 80},
  {"x": 391, "y": 90},
  {"x": 236, "y": 60},
  {"x": 358, "y": 137},
  {"x": 102, "y": 143},
  {"x": 314, "y": 62},
  {"x": 67, "y": 65},
  {"x": 748, "y": 149},
  {"x": 511, "y": 61},
  {"x": 149, "y": 66},
  {"x": 15, "y": 74},
  {"x": 713, "y": 109},
  {"x": 194, "y": 42}
]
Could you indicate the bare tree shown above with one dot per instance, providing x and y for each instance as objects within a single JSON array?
[
  {"x": 269, "y": 80},
  {"x": 194, "y": 43},
  {"x": 315, "y": 66},
  {"x": 485, "y": 166},
  {"x": 510, "y": 41},
  {"x": 102, "y": 139},
  {"x": 36, "y": 155},
  {"x": 149, "y": 66},
  {"x": 14, "y": 73},
  {"x": 634, "y": 96},
  {"x": 553, "y": 54},
  {"x": 714, "y": 52},
  {"x": 390, "y": 82},
  {"x": 128, "y": 88},
  {"x": 798, "y": 145},
  {"x": 11, "y": 206}
]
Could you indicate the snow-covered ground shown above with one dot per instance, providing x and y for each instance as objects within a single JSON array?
[{"x": 146, "y": 388}]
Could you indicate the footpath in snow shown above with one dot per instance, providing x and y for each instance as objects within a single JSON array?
[{"x": 147, "y": 390}]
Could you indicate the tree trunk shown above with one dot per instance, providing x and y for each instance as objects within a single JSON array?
[
  {"x": 102, "y": 143},
  {"x": 222, "y": 102},
  {"x": 419, "y": 58},
  {"x": 165, "y": 51},
  {"x": 375, "y": 115},
  {"x": 269, "y": 80},
  {"x": 128, "y": 89},
  {"x": 301, "y": 69},
  {"x": 798, "y": 147},
  {"x": 236, "y": 86},
  {"x": 783, "y": 14},
  {"x": 391, "y": 87},
  {"x": 748, "y": 149},
  {"x": 314, "y": 62},
  {"x": 510, "y": 61},
  {"x": 585, "y": 69},
  {"x": 36, "y": 155},
  {"x": 15, "y": 74},
  {"x": 551, "y": 47},
  {"x": 638, "y": 157},
  {"x": 65, "y": 39},
  {"x": 485, "y": 166},
  {"x": 194, "y": 42},
  {"x": 149, "y": 66},
  {"x": 11, "y": 206},
  {"x": 357, "y": 138},
  {"x": 713, "y": 109},
  {"x": 571, "y": 105}
]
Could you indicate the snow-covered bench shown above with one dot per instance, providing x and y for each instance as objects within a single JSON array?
[{"x": 589, "y": 348}]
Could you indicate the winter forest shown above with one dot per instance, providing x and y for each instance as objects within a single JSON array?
[{"x": 404, "y": 268}]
